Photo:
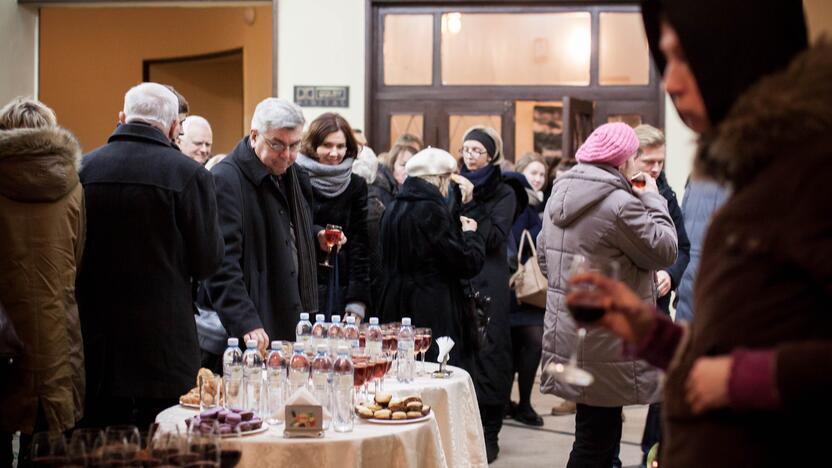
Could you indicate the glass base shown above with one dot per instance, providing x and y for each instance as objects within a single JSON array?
[{"x": 570, "y": 374}]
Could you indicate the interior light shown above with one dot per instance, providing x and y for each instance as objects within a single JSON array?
[
  {"x": 454, "y": 22},
  {"x": 580, "y": 44}
]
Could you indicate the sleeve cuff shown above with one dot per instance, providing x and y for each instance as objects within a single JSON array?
[
  {"x": 356, "y": 308},
  {"x": 661, "y": 342},
  {"x": 752, "y": 385}
]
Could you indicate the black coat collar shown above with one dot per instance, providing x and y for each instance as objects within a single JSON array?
[
  {"x": 140, "y": 132},
  {"x": 415, "y": 188},
  {"x": 249, "y": 163}
]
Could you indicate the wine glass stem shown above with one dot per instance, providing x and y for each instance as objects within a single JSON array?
[{"x": 573, "y": 359}]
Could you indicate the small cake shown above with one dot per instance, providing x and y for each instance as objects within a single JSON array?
[
  {"x": 382, "y": 414},
  {"x": 414, "y": 414},
  {"x": 399, "y": 415},
  {"x": 364, "y": 412},
  {"x": 425, "y": 410},
  {"x": 414, "y": 406},
  {"x": 383, "y": 398}
]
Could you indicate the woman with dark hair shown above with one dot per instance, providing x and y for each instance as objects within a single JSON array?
[{"x": 328, "y": 151}]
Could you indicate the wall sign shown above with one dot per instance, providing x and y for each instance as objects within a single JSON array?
[{"x": 322, "y": 96}]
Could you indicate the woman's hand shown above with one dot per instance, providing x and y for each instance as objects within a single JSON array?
[
  {"x": 468, "y": 224},
  {"x": 649, "y": 184},
  {"x": 466, "y": 188},
  {"x": 322, "y": 240},
  {"x": 626, "y": 314},
  {"x": 706, "y": 387}
]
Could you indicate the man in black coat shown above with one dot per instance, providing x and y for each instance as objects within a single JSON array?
[
  {"x": 151, "y": 228},
  {"x": 268, "y": 273}
]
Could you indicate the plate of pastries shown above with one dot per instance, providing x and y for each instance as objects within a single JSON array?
[
  {"x": 191, "y": 399},
  {"x": 387, "y": 409}
]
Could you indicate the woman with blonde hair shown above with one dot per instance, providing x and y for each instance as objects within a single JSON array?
[{"x": 41, "y": 240}]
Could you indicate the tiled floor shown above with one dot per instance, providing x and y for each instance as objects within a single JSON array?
[{"x": 549, "y": 446}]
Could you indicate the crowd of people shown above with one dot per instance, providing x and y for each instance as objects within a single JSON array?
[{"x": 123, "y": 271}]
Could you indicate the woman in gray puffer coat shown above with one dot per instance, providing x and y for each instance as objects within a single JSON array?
[{"x": 593, "y": 211}]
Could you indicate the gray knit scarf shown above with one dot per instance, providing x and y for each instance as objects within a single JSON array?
[{"x": 329, "y": 181}]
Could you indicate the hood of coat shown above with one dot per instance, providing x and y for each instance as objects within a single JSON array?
[
  {"x": 581, "y": 188},
  {"x": 781, "y": 114},
  {"x": 38, "y": 164}
]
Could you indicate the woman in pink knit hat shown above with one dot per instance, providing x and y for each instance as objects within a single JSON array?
[{"x": 595, "y": 212}]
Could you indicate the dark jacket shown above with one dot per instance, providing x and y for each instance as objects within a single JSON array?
[
  {"x": 257, "y": 284},
  {"x": 41, "y": 240},
  {"x": 702, "y": 199},
  {"x": 683, "y": 256},
  {"x": 151, "y": 228},
  {"x": 375, "y": 211},
  {"x": 425, "y": 258},
  {"x": 494, "y": 208},
  {"x": 348, "y": 210},
  {"x": 385, "y": 185}
]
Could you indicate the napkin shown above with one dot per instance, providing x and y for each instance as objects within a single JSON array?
[
  {"x": 302, "y": 396},
  {"x": 445, "y": 343}
]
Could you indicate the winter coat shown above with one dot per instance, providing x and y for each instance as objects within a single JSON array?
[
  {"x": 594, "y": 212},
  {"x": 257, "y": 284},
  {"x": 765, "y": 276},
  {"x": 426, "y": 256},
  {"x": 678, "y": 268},
  {"x": 375, "y": 211},
  {"x": 494, "y": 208},
  {"x": 702, "y": 199},
  {"x": 385, "y": 186},
  {"x": 348, "y": 210},
  {"x": 151, "y": 229},
  {"x": 41, "y": 240}
]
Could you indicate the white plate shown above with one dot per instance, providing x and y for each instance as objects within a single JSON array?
[
  {"x": 263, "y": 428},
  {"x": 398, "y": 421},
  {"x": 189, "y": 405}
]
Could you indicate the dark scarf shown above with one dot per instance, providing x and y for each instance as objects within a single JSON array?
[
  {"x": 480, "y": 176},
  {"x": 302, "y": 223}
]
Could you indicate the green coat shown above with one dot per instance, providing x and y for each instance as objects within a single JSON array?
[{"x": 41, "y": 239}]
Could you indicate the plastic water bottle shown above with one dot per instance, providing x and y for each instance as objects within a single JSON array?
[
  {"x": 276, "y": 366},
  {"x": 322, "y": 380},
  {"x": 252, "y": 375},
  {"x": 350, "y": 333},
  {"x": 343, "y": 398},
  {"x": 405, "y": 358},
  {"x": 232, "y": 374},
  {"x": 303, "y": 333},
  {"x": 318, "y": 333},
  {"x": 335, "y": 335},
  {"x": 298, "y": 369},
  {"x": 375, "y": 337}
]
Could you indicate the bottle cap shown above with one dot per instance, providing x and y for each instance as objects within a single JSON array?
[
  {"x": 406, "y": 321},
  {"x": 351, "y": 320},
  {"x": 297, "y": 347},
  {"x": 342, "y": 348},
  {"x": 251, "y": 344},
  {"x": 276, "y": 345},
  {"x": 320, "y": 317},
  {"x": 304, "y": 315},
  {"x": 373, "y": 320},
  {"x": 322, "y": 348},
  {"x": 336, "y": 319},
  {"x": 233, "y": 342}
]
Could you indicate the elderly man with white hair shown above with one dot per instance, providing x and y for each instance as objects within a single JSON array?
[
  {"x": 151, "y": 230},
  {"x": 268, "y": 275},
  {"x": 196, "y": 138}
]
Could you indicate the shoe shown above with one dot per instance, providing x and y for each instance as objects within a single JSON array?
[
  {"x": 511, "y": 410},
  {"x": 492, "y": 449},
  {"x": 528, "y": 416},
  {"x": 566, "y": 407}
]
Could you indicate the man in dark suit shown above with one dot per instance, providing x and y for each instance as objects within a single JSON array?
[
  {"x": 268, "y": 275},
  {"x": 151, "y": 227}
]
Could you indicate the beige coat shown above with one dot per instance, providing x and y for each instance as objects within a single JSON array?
[
  {"x": 41, "y": 239},
  {"x": 592, "y": 211}
]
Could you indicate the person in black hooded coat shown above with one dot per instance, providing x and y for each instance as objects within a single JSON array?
[{"x": 496, "y": 204}]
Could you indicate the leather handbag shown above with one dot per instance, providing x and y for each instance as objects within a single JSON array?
[
  {"x": 10, "y": 345},
  {"x": 529, "y": 283}
]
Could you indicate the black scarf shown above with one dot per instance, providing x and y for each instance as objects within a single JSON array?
[
  {"x": 302, "y": 223},
  {"x": 480, "y": 176}
]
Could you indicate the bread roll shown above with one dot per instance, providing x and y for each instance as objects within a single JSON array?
[
  {"x": 398, "y": 415},
  {"x": 382, "y": 414}
]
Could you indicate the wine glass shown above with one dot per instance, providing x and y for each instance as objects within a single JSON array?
[
  {"x": 84, "y": 446},
  {"x": 121, "y": 444},
  {"x": 424, "y": 336},
  {"x": 332, "y": 235},
  {"x": 584, "y": 303},
  {"x": 361, "y": 363},
  {"x": 49, "y": 449},
  {"x": 205, "y": 449},
  {"x": 231, "y": 451}
]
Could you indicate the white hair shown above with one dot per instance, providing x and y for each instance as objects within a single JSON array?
[
  {"x": 275, "y": 113},
  {"x": 151, "y": 103},
  {"x": 194, "y": 120},
  {"x": 366, "y": 165}
]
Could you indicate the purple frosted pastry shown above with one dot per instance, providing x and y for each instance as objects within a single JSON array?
[
  {"x": 256, "y": 423},
  {"x": 236, "y": 410},
  {"x": 245, "y": 426},
  {"x": 226, "y": 429},
  {"x": 210, "y": 414},
  {"x": 247, "y": 415},
  {"x": 233, "y": 419},
  {"x": 221, "y": 415}
]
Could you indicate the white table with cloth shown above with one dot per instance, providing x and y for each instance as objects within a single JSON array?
[{"x": 452, "y": 437}]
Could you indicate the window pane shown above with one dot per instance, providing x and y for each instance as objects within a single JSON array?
[
  {"x": 624, "y": 58},
  {"x": 408, "y": 49},
  {"x": 516, "y": 49},
  {"x": 458, "y": 124},
  {"x": 538, "y": 127},
  {"x": 406, "y": 123},
  {"x": 633, "y": 120}
]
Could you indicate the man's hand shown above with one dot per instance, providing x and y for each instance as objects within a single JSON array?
[
  {"x": 706, "y": 387},
  {"x": 261, "y": 337},
  {"x": 663, "y": 282},
  {"x": 466, "y": 188},
  {"x": 649, "y": 185},
  {"x": 626, "y": 314},
  {"x": 468, "y": 224},
  {"x": 322, "y": 240}
]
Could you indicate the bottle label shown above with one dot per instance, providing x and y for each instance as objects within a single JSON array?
[
  {"x": 298, "y": 378},
  {"x": 320, "y": 380},
  {"x": 373, "y": 348},
  {"x": 344, "y": 381},
  {"x": 275, "y": 377}
]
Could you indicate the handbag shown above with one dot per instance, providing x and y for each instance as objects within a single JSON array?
[
  {"x": 529, "y": 283},
  {"x": 10, "y": 345},
  {"x": 476, "y": 313}
]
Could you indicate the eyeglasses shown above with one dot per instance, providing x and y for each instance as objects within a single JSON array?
[
  {"x": 279, "y": 146},
  {"x": 472, "y": 152}
]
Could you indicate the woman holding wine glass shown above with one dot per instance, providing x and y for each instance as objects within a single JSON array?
[
  {"x": 327, "y": 154},
  {"x": 595, "y": 220}
]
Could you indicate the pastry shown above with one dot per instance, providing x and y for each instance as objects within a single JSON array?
[
  {"x": 412, "y": 398},
  {"x": 399, "y": 415},
  {"x": 414, "y": 414},
  {"x": 414, "y": 406},
  {"x": 396, "y": 405},
  {"x": 383, "y": 398},
  {"x": 425, "y": 410},
  {"x": 375, "y": 407},
  {"x": 382, "y": 414},
  {"x": 363, "y": 412}
]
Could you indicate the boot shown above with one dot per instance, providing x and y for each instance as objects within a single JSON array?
[{"x": 564, "y": 408}]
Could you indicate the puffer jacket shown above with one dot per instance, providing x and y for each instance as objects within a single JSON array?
[
  {"x": 41, "y": 240},
  {"x": 593, "y": 212}
]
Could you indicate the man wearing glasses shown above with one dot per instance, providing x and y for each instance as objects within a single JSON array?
[{"x": 268, "y": 274}]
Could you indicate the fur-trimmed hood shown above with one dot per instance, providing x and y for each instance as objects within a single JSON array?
[
  {"x": 776, "y": 117},
  {"x": 38, "y": 164}
]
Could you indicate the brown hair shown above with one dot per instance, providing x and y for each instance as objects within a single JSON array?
[
  {"x": 529, "y": 158},
  {"x": 321, "y": 128},
  {"x": 411, "y": 140},
  {"x": 396, "y": 151},
  {"x": 184, "y": 108},
  {"x": 26, "y": 112}
]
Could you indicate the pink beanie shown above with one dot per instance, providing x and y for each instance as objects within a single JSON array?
[{"x": 611, "y": 143}]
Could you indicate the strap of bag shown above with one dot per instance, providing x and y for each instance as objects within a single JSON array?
[{"x": 523, "y": 236}]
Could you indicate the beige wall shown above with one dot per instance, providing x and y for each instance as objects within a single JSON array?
[
  {"x": 18, "y": 46},
  {"x": 84, "y": 76},
  {"x": 322, "y": 45}
]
